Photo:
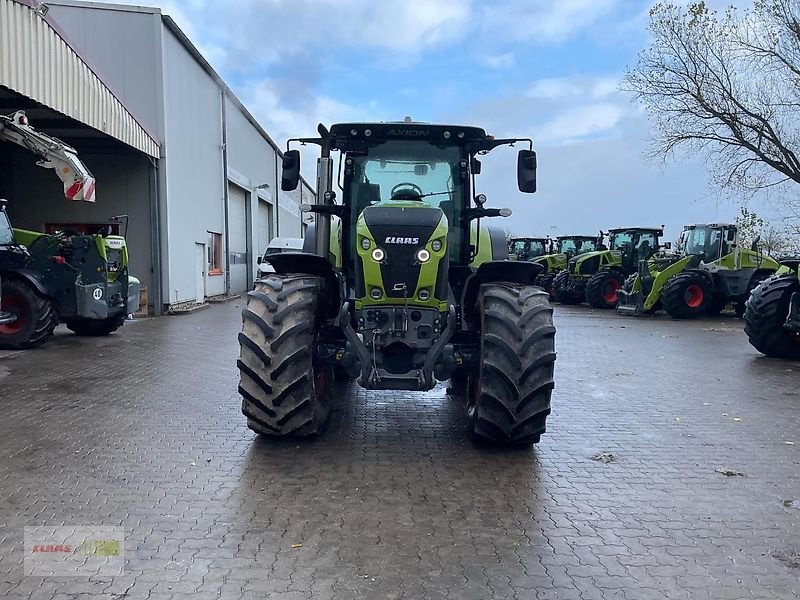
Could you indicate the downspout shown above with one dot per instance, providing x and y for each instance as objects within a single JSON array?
[
  {"x": 225, "y": 191},
  {"x": 155, "y": 238},
  {"x": 277, "y": 194}
]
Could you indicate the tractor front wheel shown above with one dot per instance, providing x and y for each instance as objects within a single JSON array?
[
  {"x": 95, "y": 327},
  {"x": 765, "y": 316},
  {"x": 35, "y": 317},
  {"x": 687, "y": 295},
  {"x": 285, "y": 390},
  {"x": 602, "y": 289},
  {"x": 564, "y": 291},
  {"x": 509, "y": 397},
  {"x": 546, "y": 283}
]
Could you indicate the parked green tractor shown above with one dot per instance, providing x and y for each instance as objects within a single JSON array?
[
  {"x": 711, "y": 271},
  {"x": 772, "y": 315},
  {"x": 596, "y": 277},
  {"x": 80, "y": 280},
  {"x": 423, "y": 290},
  {"x": 566, "y": 247},
  {"x": 527, "y": 248}
]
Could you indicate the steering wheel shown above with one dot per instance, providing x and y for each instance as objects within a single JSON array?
[{"x": 408, "y": 188}]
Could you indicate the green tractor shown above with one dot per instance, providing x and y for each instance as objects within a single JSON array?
[
  {"x": 772, "y": 314},
  {"x": 408, "y": 287},
  {"x": 527, "y": 248},
  {"x": 80, "y": 280},
  {"x": 565, "y": 247},
  {"x": 597, "y": 277},
  {"x": 710, "y": 271}
]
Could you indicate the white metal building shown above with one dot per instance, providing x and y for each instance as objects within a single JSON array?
[{"x": 169, "y": 143}]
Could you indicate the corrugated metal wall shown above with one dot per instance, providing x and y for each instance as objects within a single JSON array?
[{"x": 37, "y": 62}]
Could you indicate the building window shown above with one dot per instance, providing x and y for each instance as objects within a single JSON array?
[{"x": 215, "y": 253}]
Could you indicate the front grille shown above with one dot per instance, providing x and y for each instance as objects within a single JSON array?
[{"x": 399, "y": 270}]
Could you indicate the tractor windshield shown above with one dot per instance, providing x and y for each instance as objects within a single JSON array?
[
  {"x": 6, "y": 235},
  {"x": 705, "y": 241},
  {"x": 405, "y": 170},
  {"x": 527, "y": 249}
]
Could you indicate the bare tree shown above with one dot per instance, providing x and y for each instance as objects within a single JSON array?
[{"x": 727, "y": 87}]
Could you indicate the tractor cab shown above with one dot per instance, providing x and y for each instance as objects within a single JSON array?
[
  {"x": 526, "y": 248},
  {"x": 634, "y": 244},
  {"x": 572, "y": 245},
  {"x": 709, "y": 242}
]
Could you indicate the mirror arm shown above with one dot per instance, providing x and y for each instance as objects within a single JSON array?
[
  {"x": 304, "y": 141},
  {"x": 336, "y": 210}
]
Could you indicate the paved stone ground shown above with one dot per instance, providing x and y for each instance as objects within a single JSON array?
[{"x": 143, "y": 430}]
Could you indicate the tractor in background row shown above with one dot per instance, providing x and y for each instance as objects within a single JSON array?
[
  {"x": 565, "y": 247},
  {"x": 711, "y": 270},
  {"x": 772, "y": 313},
  {"x": 596, "y": 277},
  {"x": 407, "y": 286}
]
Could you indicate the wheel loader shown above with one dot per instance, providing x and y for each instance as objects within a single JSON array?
[
  {"x": 81, "y": 280},
  {"x": 711, "y": 270},
  {"x": 772, "y": 313},
  {"x": 596, "y": 277},
  {"x": 403, "y": 284},
  {"x": 527, "y": 248},
  {"x": 565, "y": 248}
]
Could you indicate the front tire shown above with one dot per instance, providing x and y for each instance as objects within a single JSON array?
[
  {"x": 284, "y": 389},
  {"x": 35, "y": 317},
  {"x": 602, "y": 289},
  {"x": 565, "y": 291},
  {"x": 687, "y": 295},
  {"x": 509, "y": 399},
  {"x": 765, "y": 315}
]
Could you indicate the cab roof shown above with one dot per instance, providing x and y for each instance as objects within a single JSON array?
[
  {"x": 574, "y": 237},
  {"x": 712, "y": 225},
  {"x": 621, "y": 229},
  {"x": 447, "y": 134}
]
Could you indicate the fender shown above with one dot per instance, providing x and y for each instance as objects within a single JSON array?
[
  {"x": 311, "y": 264},
  {"x": 522, "y": 273},
  {"x": 29, "y": 276}
]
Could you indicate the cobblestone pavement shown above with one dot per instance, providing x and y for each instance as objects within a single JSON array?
[{"x": 143, "y": 430}]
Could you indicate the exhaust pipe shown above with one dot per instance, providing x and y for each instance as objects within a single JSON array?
[{"x": 322, "y": 241}]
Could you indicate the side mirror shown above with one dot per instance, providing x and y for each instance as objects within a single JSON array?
[
  {"x": 475, "y": 166},
  {"x": 754, "y": 245},
  {"x": 526, "y": 171},
  {"x": 667, "y": 245},
  {"x": 290, "y": 176}
]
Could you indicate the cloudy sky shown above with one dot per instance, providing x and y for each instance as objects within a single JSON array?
[{"x": 539, "y": 68}]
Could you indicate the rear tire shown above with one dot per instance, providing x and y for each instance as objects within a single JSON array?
[
  {"x": 285, "y": 392},
  {"x": 36, "y": 318},
  {"x": 601, "y": 291},
  {"x": 509, "y": 400},
  {"x": 95, "y": 327},
  {"x": 687, "y": 295},
  {"x": 764, "y": 318}
]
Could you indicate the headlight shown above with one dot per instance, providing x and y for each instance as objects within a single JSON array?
[
  {"x": 378, "y": 255},
  {"x": 436, "y": 245},
  {"x": 423, "y": 255},
  {"x": 365, "y": 243},
  {"x": 424, "y": 295}
]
